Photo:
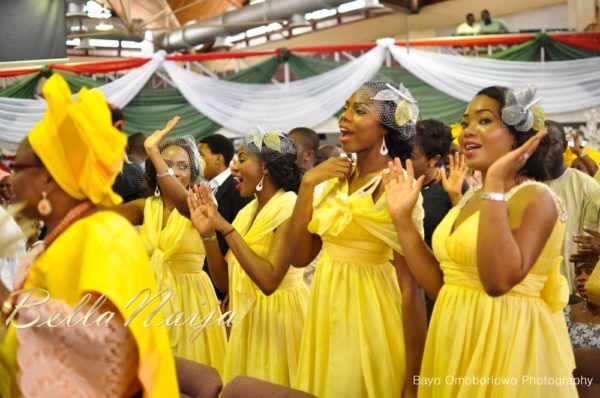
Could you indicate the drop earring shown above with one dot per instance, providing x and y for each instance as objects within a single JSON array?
[
  {"x": 383, "y": 150},
  {"x": 259, "y": 187},
  {"x": 44, "y": 206},
  {"x": 157, "y": 191}
]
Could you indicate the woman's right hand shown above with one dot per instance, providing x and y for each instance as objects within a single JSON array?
[
  {"x": 339, "y": 167},
  {"x": 199, "y": 214},
  {"x": 402, "y": 191}
]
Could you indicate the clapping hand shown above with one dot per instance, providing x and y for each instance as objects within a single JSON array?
[
  {"x": 454, "y": 181},
  {"x": 402, "y": 191},
  {"x": 199, "y": 213}
]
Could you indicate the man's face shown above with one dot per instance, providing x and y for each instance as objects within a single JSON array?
[
  {"x": 554, "y": 156},
  {"x": 6, "y": 189},
  {"x": 470, "y": 19},
  {"x": 485, "y": 16}
]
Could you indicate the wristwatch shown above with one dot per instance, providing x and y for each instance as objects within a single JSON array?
[{"x": 168, "y": 173}]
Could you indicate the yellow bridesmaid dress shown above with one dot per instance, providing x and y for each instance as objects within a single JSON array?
[
  {"x": 266, "y": 331},
  {"x": 353, "y": 340},
  {"x": 177, "y": 257},
  {"x": 515, "y": 345}
]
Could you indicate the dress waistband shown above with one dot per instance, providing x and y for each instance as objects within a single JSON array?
[
  {"x": 460, "y": 275},
  {"x": 186, "y": 263},
  {"x": 358, "y": 252}
]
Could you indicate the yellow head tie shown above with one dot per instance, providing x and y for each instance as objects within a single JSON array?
[{"x": 78, "y": 144}]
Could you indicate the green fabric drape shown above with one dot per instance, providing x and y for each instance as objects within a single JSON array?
[
  {"x": 554, "y": 51},
  {"x": 152, "y": 108},
  {"x": 23, "y": 88},
  {"x": 432, "y": 103}
]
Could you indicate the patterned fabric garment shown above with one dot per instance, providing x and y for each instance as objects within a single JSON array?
[{"x": 583, "y": 335}]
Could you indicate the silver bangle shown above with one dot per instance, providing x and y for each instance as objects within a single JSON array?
[
  {"x": 495, "y": 196},
  {"x": 168, "y": 173}
]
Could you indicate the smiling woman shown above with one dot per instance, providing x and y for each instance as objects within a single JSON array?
[
  {"x": 499, "y": 292},
  {"x": 267, "y": 296}
]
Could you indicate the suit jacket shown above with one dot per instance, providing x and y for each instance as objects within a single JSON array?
[{"x": 229, "y": 204}]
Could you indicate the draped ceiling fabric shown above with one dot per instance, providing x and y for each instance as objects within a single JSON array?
[{"x": 439, "y": 82}]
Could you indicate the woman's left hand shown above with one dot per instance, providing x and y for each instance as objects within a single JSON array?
[
  {"x": 154, "y": 140},
  {"x": 508, "y": 165}
]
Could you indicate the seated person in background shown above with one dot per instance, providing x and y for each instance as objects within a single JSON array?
[
  {"x": 469, "y": 27},
  {"x": 491, "y": 26},
  {"x": 594, "y": 26},
  {"x": 327, "y": 151}
]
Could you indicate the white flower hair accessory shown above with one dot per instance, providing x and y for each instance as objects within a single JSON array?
[
  {"x": 406, "y": 106},
  {"x": 522, "y": 110},
  {"x": 269, "y": 145}
]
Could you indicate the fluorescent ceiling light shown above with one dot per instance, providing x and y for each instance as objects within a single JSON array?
[
  {"x": 320, "y": 14},
  {"x": 95, "y": 10},
  {"x": 104, "y": 26},
  {"x": 104, "y": 43},
  {"x": 351, "y": 6},
  {"x": 131, "y": 44}
]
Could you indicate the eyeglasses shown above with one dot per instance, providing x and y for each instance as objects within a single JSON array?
[
  {"x": 181, "y": 166},
  {"x": 16, "y": 167}
]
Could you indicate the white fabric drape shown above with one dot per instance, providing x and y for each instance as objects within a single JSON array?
[
  {"x": 18, "y": 116},
  {"x": 563, "y": 86},
  {"x": 308, "y": 102}
]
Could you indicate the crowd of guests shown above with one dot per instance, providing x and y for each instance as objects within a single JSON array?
[{"x": 370, "y": 269}]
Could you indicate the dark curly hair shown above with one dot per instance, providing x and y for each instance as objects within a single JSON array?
[
  {"x": 282, "y": 167},
  {"x": 534, "y": 167},
  {"x": 434, "y": 138}
]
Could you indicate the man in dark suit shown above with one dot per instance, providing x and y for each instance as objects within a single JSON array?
[{"x": 217, "y": 152}]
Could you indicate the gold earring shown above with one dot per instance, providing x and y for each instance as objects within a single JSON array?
[{"x": 44, "y": 206}]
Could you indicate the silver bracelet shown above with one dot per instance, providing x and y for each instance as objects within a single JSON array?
[
  {"x": 495, "y": 196},
  {"x": 168, "y": 173}
]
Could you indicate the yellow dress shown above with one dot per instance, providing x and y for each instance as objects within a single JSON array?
[
  {"x": 101, "y": 253},
  {"x": 265, "y": 336},
  {"x": 353, "y": 340},
  {"x": 177, "y": 257},
  {"x": 515, "y": 345}
]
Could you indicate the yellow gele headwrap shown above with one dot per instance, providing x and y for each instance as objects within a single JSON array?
[{"x": 78, "y": 144}]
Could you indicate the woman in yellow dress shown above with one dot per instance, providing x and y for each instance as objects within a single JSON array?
[
  {"x": 365, "y": 327},
  {"x": 175, "y": 248},
  {"x": 63, "y": 173},
  {"x": 267, "y": 296},
  {"x": 497, "y": 329}
]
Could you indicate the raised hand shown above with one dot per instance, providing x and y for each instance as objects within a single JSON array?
[
  {"x": 339, "y": 167},
  {"x": 154, "y": 140},
  {"x": 577, "y": 149},
  {"x": 508, "y": 165},
  {"x": 402, "y": 191},
  {"x": 212, "y": 212},
  {"x": 454, "y": 181},
  {"x": 199, "y": 214},
  {"x": 589, "y": 244}
]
